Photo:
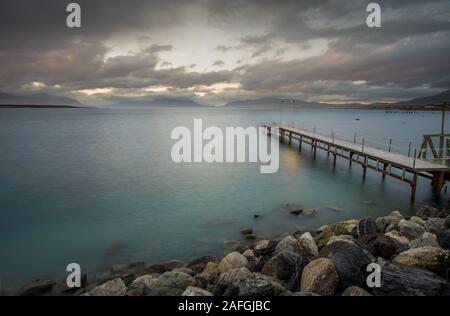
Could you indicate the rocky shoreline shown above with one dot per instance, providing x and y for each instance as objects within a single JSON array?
[{"x": 413, "y": 253}]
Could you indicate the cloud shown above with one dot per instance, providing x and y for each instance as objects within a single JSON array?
[{"x": 321, "y": 50}]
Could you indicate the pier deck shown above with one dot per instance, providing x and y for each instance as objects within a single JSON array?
[{"x": 398, "y": 166}]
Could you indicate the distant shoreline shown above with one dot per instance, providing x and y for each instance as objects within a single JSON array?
[{"x": 19, "y": 106}]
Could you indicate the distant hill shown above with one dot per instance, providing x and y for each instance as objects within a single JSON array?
[
  {"x": 431, "y": 100},
  {"x": 161, "y": 102},
  {"x": 37, "y": 99},
  {"x": 272, "y": 102}
]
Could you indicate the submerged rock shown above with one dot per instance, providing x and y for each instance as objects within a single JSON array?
[
  {"x": 36, "y": 287},
  {"x": 320, "y": 277},
  {"x": 246, "y": 231},
  {"x": 231, "y": 244}
]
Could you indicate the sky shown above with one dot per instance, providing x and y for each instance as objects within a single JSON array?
[{"x": 217, "y": 51}]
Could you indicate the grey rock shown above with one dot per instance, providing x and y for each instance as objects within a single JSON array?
[
  {"x": 367, "y": 226},
  {"x": 114, "y": 287},
  {"x": 410, "y": 229},
  {"x": 320, "y": 277},
  {"x": 288, "y": 243},
  {"x": 402, "y": 280},
  {"x": 350, "y": 262},
  {"x": 355, "y": 291},
  {"x": 427, "y": 212},
  {"x": 380, "y": 245},
  {"x": 427, "y": 239},
  {"x": 195, "y": 291}
]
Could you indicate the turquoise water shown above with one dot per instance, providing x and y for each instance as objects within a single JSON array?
[{"x": 98, "y": 186}]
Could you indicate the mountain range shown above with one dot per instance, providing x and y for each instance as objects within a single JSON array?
[
  {"x": 37, "y": 99},
  {"x": 43, "y": 99}
]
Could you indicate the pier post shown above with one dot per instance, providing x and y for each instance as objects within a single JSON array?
[
  {"x": 269, "y": 131},
  {"x": 328, "y": 151},
  {"x": 334, "y": 157},
  {"x": 350, "y": 158},
  {"x": 414, "y": 188},
  {"x": 290, "y": 137},
  {"x": 390, "y": 144},
  {"x": 385, "y": 165},
  {"x": 364, "y": 167},
  {"x": 314, "y": 149},
  {"x": 437, "y": 182},
  {"x": 300, "y": 145}
]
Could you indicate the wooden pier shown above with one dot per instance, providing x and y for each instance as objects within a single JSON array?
[{"x": 401, "y": 167}]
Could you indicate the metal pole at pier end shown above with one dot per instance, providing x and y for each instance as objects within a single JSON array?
[
  {"x": 354, "y": 139},
  {"x": 409, "y": 149},
  {"x": 441, "y": 137},
  {"x": 363, "y": 141},
  {"x": 415, "y": 155},
  {"x": 390, "y": 144}
]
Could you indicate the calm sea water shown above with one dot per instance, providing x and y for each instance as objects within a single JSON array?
[{"x": 98, "y": 186}]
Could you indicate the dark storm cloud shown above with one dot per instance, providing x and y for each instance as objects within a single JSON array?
[{"x": 406, "y": 57}]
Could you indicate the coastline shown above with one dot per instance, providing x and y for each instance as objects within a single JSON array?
[{"x": 329, "y": 261}]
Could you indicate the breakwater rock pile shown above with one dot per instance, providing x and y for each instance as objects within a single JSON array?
[{"x": 412, "y": 253}]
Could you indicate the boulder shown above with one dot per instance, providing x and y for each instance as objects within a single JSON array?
[
  {"x": 184, "y": 270},
  {"x": 232, "y": 260},
  {"x": 402, "y": 280},
  {"x": 410, "y": 229},
  {"x": 379, "y": 245},
  {"x": 307, "y": 245},
  {"x": 270, "y": 267},
  {"x": 422, "y": 257},
  {"x": 418, "y": 220},
  {"x": 320, "y": 277},
  {"x": 209, "y": 274},
  {"x": 155, "y": 268},
  {"x": 325, "y": 235},
  {"x": 114, "y": 287},
  {"x": 436, "y": 225},
  {"x": 444, "y": 239},
  {"x": 172, "y": 264},
  {"x": 355, "y": 291},
  {"x": 427, "y": 211},
  {"x": 427, "y": 239},
  {"x": 248, "y": 253},
  {"x": 367, "y": 226},
  {"x": 350, "y": 262},
  {"x": 128, "y": 272},
  {"x": 288, "y": 243},
  {"x": 384, "y": 222},
  {"x": 200, "y": 261},
  {"x": 242, "y": 282},
  {"x": 345, "y": 238},
  {"x": 174, "y": 280},
  {"x": 36, "y": 287},
  {"x": 265, "y": 247},
  {"x": 397, "y": 236},
  {"x": 304, "y": 294},
  {"x": 287, "y": 263},
  {"x": 195, "y": 291},
  {"x": 144, "y": 281}
]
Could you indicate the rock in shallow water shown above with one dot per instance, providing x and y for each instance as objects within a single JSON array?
[
  {"x": 427, "y": 211},
  {"x": 320, "y": 277},
  {"x": 36, "y": 287},
  {"x": 173, "y": 283}
]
